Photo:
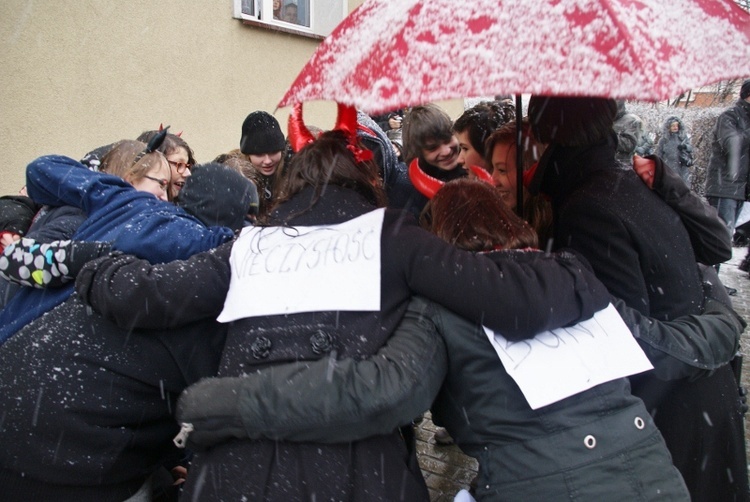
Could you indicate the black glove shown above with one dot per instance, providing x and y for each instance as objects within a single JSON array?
[
  {"x": 211, "y": 407},
  {"x": 83, "y": 252}
]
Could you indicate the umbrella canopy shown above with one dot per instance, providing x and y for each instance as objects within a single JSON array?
[{"x": 392, "y": 53}]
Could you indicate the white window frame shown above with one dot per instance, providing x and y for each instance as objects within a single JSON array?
[{"x": 325, "y": 15}]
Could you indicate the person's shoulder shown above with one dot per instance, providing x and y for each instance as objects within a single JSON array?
[{"x": 399, "y": 216}]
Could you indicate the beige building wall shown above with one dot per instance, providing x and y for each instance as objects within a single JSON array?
[{"x": 76, "y": 75}]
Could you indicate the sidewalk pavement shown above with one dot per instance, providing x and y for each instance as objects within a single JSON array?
[{"x": 447, "y": 470}]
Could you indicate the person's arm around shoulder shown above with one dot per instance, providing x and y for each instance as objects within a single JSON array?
[
  {"x": 328, "y": 400},
  {"x": 689, "y": 346},
  {"x": 708, "y": 233},
  {"x": 134, "y": 293},
  {"x": 40, "y": 265},
  {"x": 518, "y": 298},
  {"x": 57, "y": 180}
]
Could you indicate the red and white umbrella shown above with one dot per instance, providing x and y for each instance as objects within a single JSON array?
[{"x": 392, "y": 53}]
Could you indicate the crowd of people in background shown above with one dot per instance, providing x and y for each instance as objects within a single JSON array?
[{"x": 146, "y": 296}]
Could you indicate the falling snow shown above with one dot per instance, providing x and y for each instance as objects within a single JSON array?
[{"x": 388, "y": 54}]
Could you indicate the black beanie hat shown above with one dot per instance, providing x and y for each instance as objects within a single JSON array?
[
  {"x": 745, "y": 89},
  {"x": 261, "y": 134},
  {"x": 218, "y": 196},
  {"x": 16, "y": 213}
]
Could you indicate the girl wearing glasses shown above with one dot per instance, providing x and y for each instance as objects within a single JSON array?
[
  {"x": 180, "y": 157},
  {"x": 149, "y": 173}
]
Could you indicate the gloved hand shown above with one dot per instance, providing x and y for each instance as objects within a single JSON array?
[
  {"x": 211, "y": 407},
  {"x": 48, "y": 264}
]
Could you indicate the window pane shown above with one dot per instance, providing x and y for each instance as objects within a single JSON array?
[
  {"x": 248, "y": 7},
  {"x": 292, "y": 11}
]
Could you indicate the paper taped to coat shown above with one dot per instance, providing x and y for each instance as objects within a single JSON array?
[
  {"x": 560, "y": 363},
  {"x": 288, "y": 270}
]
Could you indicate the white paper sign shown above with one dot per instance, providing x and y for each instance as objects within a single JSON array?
[
  {"x": 560, "y": 363},
  {"x": 287, "y": 270}
]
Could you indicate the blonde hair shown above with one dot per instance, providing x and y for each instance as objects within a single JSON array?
[{"x": 128, "y": 160}]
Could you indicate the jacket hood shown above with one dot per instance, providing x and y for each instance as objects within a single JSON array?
[
  {"x": 218, "y": 196},
  {"x": 665, "y": 127}
]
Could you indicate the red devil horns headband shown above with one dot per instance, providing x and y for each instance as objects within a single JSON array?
[
  {"x": 429, "y": 186},
  {"x": 298, "y": 133},
  {"x": 346, "y": 122},
  {"x": 161, "y": 128}
]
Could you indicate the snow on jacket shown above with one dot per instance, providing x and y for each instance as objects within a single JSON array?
[
  {"x": 134, "y": 222},
  {"x": 635, "y": 243},
  {"x": 328, "y": 401},
  {"x": 642, "y": 252},
  {"x": 88, "y": 407},
  {"x": 517, "y": 298}
]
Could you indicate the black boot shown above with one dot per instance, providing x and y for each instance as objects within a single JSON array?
[{"x": 745, "y": 263}]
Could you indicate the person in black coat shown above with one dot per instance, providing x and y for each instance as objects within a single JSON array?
[
  {"x": 88, "y": 406},
  {"x": 640, "y": 249},
  {"x": 329, "y": 183},
  {"x": 480, "y": 402}
]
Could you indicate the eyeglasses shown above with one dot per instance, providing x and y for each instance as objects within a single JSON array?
[
  {"x": 163, "y": 183},
  {"x": 180, "y": 166}
]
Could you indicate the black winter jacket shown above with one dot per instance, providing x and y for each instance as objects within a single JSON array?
[
  {"x": 518, "y": 298},
  {"x": 642, "y": 252},
  {"x": 729, "y": 165},
  {"x": 88, "y": 407}
]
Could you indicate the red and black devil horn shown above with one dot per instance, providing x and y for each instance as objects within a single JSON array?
[
  {"x": 298, "y": 133},
  {"x": 423, "y": 182}
]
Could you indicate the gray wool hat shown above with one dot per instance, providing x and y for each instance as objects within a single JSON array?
[
  {"x": 218, "y": 196},
  {"x": 261, "y": 134}
]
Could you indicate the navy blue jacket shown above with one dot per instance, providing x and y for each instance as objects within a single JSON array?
[{"x": 134, "y": 222}]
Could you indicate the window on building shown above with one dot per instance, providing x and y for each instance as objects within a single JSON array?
[{"x": 315, "y": 18}]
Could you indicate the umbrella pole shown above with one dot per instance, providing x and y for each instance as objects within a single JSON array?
[{"x": 519, "y": 156}]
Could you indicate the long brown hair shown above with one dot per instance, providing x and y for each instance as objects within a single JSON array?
[
  {"x": 471, "y": 215},
  {"x": 328, "y": 161}
]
